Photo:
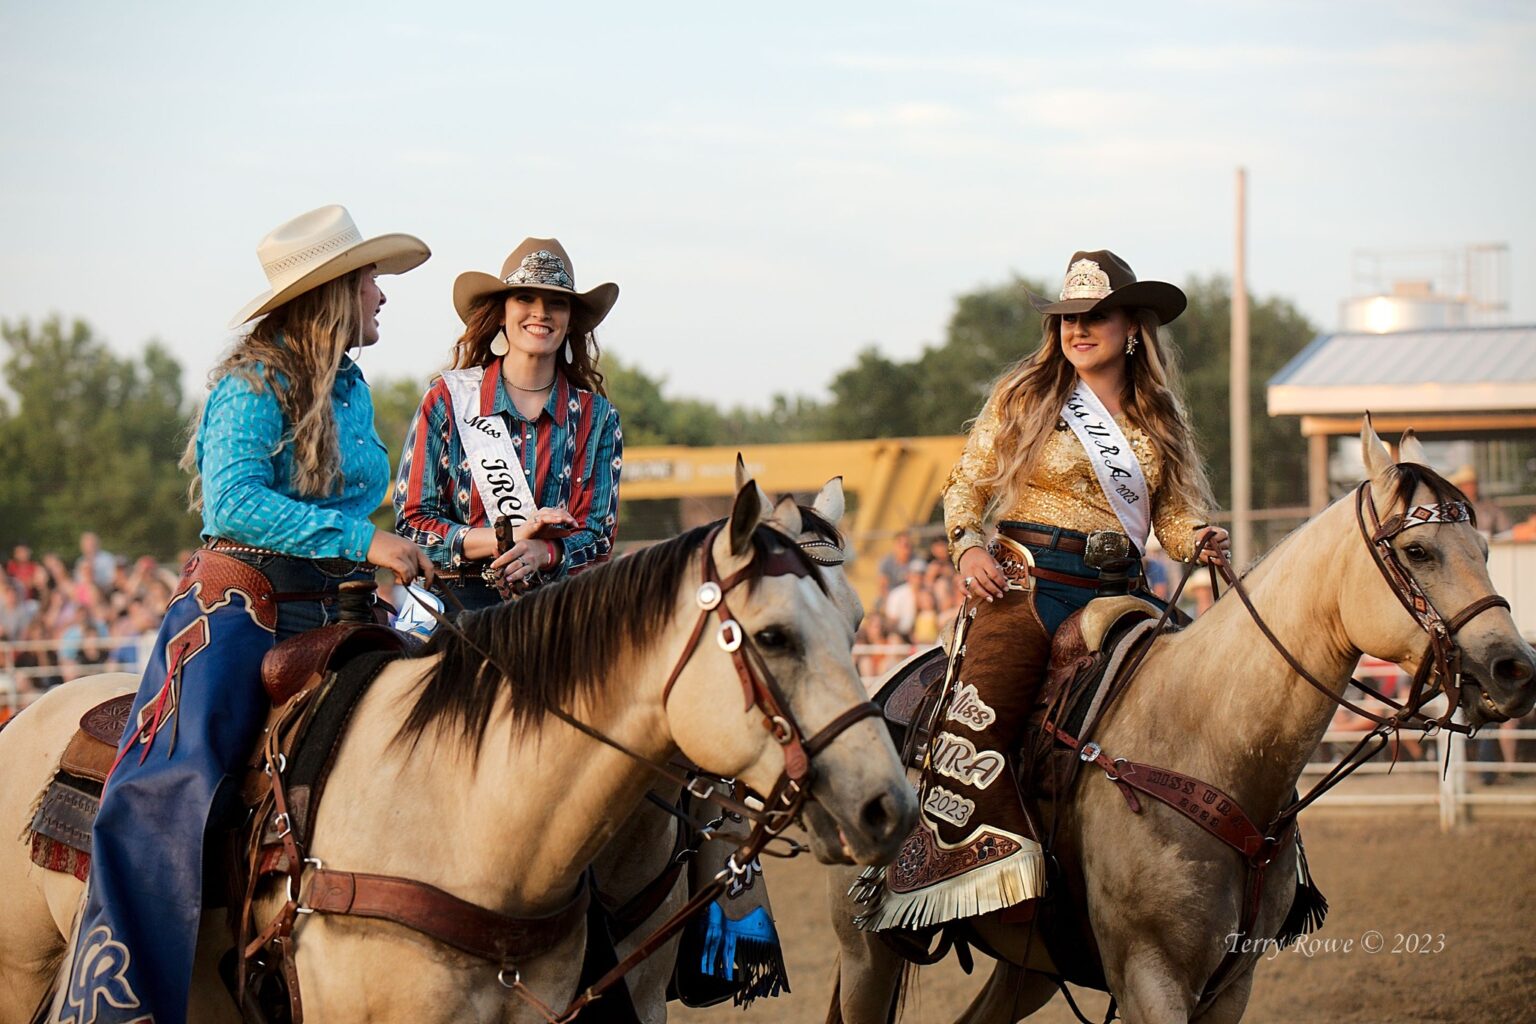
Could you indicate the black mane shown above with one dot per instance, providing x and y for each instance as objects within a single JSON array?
[{"x": 559, "y": 642}]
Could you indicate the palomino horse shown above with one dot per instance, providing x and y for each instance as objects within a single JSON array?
[
  {"x": 642, "y": 850},
  {"x": 464, "y": 779},
  {"x": 1217, "y": 702}
]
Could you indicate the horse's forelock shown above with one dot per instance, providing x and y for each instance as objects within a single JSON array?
[{"x": 1410, "y": 476}]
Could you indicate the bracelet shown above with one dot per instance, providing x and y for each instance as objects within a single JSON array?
[{"x": 554, "y": 554}]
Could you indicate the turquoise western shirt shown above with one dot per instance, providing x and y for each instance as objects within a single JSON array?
[{"x": 245, "y": 456}]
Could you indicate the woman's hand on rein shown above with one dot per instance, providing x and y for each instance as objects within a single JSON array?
[
  {"x": 982, "y": 576},
  {"x": 1216, "y": 539},
  {"x": 405, "y": 560},
  {"x": 517, "y": 565}
]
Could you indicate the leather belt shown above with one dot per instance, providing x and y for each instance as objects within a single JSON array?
[
  {"x": 329, "y": 566},
  {"x": 1045, "y": 539}
]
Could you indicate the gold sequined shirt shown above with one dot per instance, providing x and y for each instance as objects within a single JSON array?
[{"x": 1063, "y": 491}]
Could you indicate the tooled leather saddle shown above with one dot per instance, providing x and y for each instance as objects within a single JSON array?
[{"x": 307, "y": 664}]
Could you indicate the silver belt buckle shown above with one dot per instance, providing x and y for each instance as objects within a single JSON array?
[{"x": 1107, "y": 550}]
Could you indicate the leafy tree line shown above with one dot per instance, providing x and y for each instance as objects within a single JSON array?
[{"x": 91, "y": 439}]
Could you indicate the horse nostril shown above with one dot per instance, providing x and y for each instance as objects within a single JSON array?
[
  {"x": 881, "y": 816},
  {"x": 1513, "y": 670}
]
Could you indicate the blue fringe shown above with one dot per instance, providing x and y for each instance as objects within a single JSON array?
[{"x": 746, "y": 952}]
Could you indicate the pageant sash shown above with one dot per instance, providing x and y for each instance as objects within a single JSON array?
[
  {"x": 1114, "y": 462},
  {"x": 493, "y": 461}
]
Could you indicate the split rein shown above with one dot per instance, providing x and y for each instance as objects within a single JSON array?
[
  {"x": 759, "y": 689},
  {"x": 1442, "y": 658}
]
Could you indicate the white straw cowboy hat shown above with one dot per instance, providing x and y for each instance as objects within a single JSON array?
[
  {"x": 538, "y": 264},
  {"x": 1101, "y": 280},
  {"x": 321, "y": 246}
]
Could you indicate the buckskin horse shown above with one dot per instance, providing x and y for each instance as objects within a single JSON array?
[
  {"x": 1156, "y": 896},
  {"x": 464, "y": 770},
  {"x": 642, "y": 855}
]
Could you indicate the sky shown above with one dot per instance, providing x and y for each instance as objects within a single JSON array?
[{"x": 773, "y": 186}]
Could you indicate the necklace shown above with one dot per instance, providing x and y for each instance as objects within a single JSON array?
[{"x": 532, "y": 391}]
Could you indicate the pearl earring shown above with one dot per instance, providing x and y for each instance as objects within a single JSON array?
[
  {"x": 499, "y": 344},
  {"x": 1130, "y": 345}
]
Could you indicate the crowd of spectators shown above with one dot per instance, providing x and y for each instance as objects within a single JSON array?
[
  {"x": 60, "y": 620},
  {"x": 917, "y": 597}
]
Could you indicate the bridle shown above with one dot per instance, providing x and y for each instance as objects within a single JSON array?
[
  {"x": 1443, "y": 657},
  {"x": 761, "y": 690}
]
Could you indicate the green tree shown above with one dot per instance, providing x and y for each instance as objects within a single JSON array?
[
  {"x": 91, "y": 442},
  {"x": 1202, "y": 340}
]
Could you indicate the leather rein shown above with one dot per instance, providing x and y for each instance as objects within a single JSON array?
[
  {"x": 503, "y": 940},
  {"x": 1220, "y": 814}
]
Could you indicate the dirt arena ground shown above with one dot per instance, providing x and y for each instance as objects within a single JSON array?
[{"x": 1466, "y": 900}]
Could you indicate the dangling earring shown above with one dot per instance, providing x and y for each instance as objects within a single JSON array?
[
  {"x": 1130, "y": 345},
  {"x": 499, "y": 344},
  {"x": 570, "y": 359}
]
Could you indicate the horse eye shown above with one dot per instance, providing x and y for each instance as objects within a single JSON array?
[
  {"x": 1417, "y": 552},
  {"x": 772, "y": 636}
]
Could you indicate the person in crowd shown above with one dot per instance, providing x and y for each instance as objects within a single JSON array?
[
  {"x": 29, "y": 575},
  {"x": 1491, "y": 517},
  {"x": 1082, "y": 448},
  {"x": 900, "y": 607},
  {"x": 893, "y": 567},
  {"x": 287, "y": 466},
  {"x": 518, "y": 427},
  {"x": 99, "y": 565}
]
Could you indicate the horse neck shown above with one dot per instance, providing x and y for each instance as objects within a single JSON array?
[
  {"x": 551, "y": 797},
  {"x": 1257, "y": 721}
]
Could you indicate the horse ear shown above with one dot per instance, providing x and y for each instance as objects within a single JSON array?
[
  {"x": 1373, "y": 452},
  {"x": 786, "y": 516},
  {"x": 830, "y": 502},
  {"x": 1410, "y": 449},
  {"x": 751, "y": 508},
  {"x": 741, "y": 472}
]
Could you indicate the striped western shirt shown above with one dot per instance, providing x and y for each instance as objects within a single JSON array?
[
  {"x": 571, "y": 452},
  {"x": 245, "y": 456}
]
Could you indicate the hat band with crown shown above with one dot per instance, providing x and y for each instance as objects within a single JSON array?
[{"x": 542, "y": 268}]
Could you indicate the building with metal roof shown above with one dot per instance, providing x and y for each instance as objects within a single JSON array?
[{"x": 1449, "y": 382}]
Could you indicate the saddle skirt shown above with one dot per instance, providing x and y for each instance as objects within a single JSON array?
[{"x": 304, "y": 666}]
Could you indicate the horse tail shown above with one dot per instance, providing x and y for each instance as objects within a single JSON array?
[{"x": 905, "y": 981}]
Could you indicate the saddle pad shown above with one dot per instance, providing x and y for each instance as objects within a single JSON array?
[{"x": 309, "y": 759}]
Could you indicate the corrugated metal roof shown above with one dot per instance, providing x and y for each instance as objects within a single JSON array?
[{"x": 1442, "y": 355}]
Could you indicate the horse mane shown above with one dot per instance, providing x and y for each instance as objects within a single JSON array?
[{"x": 560, "y": 642}]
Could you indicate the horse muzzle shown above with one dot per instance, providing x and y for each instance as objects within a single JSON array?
[{"x": 1502, "y": 686}]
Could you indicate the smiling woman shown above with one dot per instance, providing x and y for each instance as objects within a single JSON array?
[{"x": 518, "y": 430}]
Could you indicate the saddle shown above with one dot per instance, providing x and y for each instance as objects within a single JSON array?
[
  {"x": 1086, "y": 652},
  {"x": 61, "y": 827}
]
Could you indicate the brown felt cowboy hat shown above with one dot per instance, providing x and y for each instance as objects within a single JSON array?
[
  {"x": 316, "y": 248},
  {"x": 1101, "y": 280},
  {"x": 538, "y": 264}
]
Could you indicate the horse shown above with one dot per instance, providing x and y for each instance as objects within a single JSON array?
[
  {"x": 474, "y": 782},
  {"x": 1217, "y": 702},
  {"x": 643, "y": 849}
]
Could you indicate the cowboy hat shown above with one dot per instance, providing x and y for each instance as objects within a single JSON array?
[
  {"x": 1101, "y": 280},
  {"x": 538, "y": 264},
  {"x": 318, "y": 247}
]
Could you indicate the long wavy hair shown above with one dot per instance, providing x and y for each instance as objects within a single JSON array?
[
  {"x": 1030, "y": 393},
  {"x": 485, "y": 320},
  {"x": 295, "y": 351}
]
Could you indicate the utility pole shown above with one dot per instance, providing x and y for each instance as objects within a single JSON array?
[{"x": 1242, "y": 496}]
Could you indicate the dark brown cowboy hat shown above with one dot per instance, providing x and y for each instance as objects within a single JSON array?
[
  {"x": 538, "y": 264},
  {"x": 1102, "y": 280}
]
